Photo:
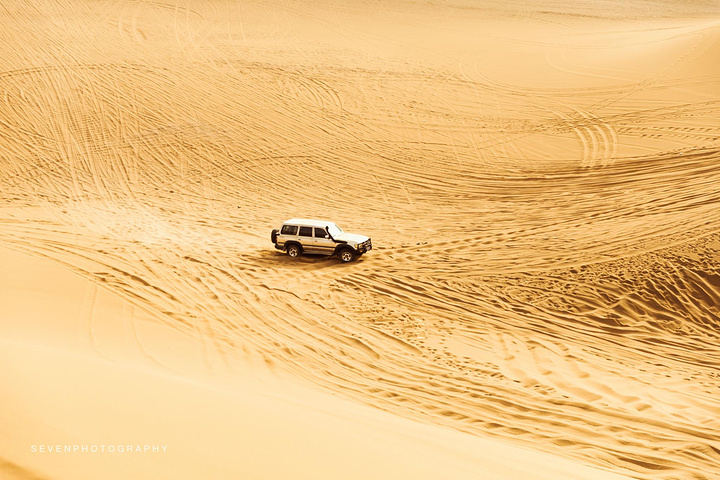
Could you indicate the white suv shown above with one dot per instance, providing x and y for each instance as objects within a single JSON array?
[{"x": 300, "y": 235}]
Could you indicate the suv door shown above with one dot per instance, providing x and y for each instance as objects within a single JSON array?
[
  {"x": 305, "y": 235},
  {"x": 323, "y": 243}
]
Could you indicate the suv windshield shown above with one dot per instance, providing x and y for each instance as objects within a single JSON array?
[{"x": 334, "y": 230}]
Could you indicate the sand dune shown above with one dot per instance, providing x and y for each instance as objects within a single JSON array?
[
  {"x": 96, "y": 371},
  {"x": 540, "y": 182}
]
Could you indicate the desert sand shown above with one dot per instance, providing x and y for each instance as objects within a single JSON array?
[{"x": 540, "y": 181}]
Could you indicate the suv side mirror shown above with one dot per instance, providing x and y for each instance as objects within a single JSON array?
[{"x": 327, "y": 236}]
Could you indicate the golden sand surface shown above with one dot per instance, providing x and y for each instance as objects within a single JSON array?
[{"x": 540, "y": 180}]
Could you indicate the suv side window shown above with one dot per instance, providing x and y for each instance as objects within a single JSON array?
[
  {"x": 320, "y": 232},
  {"x": 289, "y": 230},
  {"x": 306, "y": 231}
]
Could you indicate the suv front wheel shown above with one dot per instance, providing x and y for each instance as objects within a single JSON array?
[{"x": 347, "y": 255}]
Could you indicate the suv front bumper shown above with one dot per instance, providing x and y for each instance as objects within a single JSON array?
[{"x": 364, "y": 246}]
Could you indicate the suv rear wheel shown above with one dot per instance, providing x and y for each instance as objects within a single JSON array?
[{"x": 294, "y": 250}]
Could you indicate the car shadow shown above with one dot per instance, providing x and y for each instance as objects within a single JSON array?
[{"x": 306, "y": 261}]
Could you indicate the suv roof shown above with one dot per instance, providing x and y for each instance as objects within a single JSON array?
[{"x": 309, "y": 222}]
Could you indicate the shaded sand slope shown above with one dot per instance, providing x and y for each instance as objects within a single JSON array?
[
  {"x": 540, "y": 181},
  {"x": 105, "y": 377}
]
